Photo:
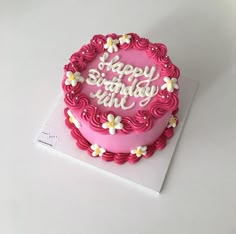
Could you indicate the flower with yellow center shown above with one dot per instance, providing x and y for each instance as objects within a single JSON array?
[
  {"x": 109, "y": 41},
  {"x": 140, "y": 151},
  {"x": 111, "y": 45},
  {"x": 72, "y": 119},
  {"x": 113, "y": 123},
  {"x": 172, "y": 122},
  {"x": 125, "y": 38},
  {"x": 97, "y": 150},
  {"x": 170, "y": 84},
  {"x": 73, "y": 78}
]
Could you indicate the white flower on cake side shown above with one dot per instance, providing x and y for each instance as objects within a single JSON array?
[
  {"x": 125, "y": 38},
  {"x": 113, "y": 123},
  {"x": 140, "y": 151},
  {"x": 170, "y": 84},
  {"x": 72, "y": 119},
  {"x": 97, "y": 150},
  {"x": 172, "y": 122},
  {"x": 111, "y": 45},
  {"x": 73, "y": 78}
]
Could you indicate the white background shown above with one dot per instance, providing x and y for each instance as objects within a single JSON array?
[{"x": 45, "y": 193}]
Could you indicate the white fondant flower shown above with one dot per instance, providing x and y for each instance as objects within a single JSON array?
[
  {"x": 125, "y": 39},
  {"x": 97, "y": 150},
  {"x": 111, "y": 45},
  {"x": 72, "y": 119},
  {"x": 172, "y": 122},
  {"x": 113, "y": 124},
  {"x": 170, "y": 84},
  {"x": 141, "y": 150},
  {"x": 73, "y": 78}
]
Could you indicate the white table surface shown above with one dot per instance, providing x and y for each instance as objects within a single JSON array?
[{"x": 45, "y": 193}]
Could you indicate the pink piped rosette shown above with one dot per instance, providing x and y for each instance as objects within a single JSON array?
[{"x": 142, "y": 121}]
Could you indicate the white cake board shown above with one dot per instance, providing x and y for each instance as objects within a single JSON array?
[{"x": 148, "y": 173}]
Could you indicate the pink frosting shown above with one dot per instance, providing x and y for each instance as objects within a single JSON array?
[
  {"x": 156, "y": 50},
  {"x": 127, "y": 142},
  {"x": 141, "y": 125},
  {"x": 98, "y": 42},
  {"x": 119, "y": 157}
]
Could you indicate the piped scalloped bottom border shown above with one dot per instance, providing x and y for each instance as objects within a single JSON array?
[{"x": 119, "y": 158}]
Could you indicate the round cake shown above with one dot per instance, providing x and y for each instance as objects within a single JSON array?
[{"x": 121, "y": 96}]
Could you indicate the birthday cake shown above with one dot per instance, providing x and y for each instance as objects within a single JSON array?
[{"x": 121, "y": 96}]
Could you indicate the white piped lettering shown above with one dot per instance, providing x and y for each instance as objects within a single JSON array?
[{"x": 115, "y": 87}]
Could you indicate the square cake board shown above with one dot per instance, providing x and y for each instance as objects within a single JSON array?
[{"x": 147, "y": 173}]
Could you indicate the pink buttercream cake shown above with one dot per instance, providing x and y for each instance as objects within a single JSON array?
[{"x": 121, "y": 96}]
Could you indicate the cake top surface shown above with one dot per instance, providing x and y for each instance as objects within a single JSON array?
[
  {"x": 123, "y": 75},
  {"x": 123, "y": 82}
]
